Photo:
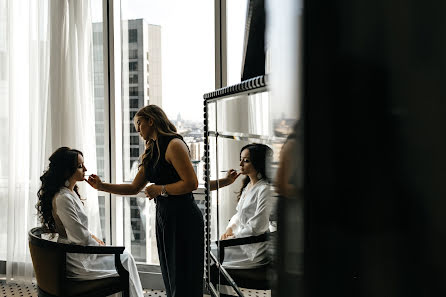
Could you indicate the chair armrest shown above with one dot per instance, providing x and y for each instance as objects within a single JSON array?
[
  {"x": 242, "y": 241},
  {"x": 92, "y": 249},
  {"x": 74, "y": 248},
  {"x": 104, "y": 250}
]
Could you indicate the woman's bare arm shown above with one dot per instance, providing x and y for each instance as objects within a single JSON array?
[
  {"x": 137, "y": 184},
  {"x": 178, "y": 155},
  {"x": 284, "y": 171},
  {"x": 231, "y": 176}
]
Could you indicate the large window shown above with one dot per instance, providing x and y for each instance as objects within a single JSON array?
[
  {"x": 101, "y": 120},
  {"x": 177, "y": 41},
  {"x": 236, "y": 18}
]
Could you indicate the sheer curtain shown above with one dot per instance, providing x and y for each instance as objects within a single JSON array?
[
  {"x": 46, "y": 93},
  {"x": 259, "y": 115}
]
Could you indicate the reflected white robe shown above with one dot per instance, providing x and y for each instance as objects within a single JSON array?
[
  {"x": 71, "y": 220},
  {"x": 252, "y": 218}
]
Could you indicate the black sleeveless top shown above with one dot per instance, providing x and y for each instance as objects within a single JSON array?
[{"x": 161, "y": 172}]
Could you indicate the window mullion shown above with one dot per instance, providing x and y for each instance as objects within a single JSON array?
[{"x": 112, "y": 28}]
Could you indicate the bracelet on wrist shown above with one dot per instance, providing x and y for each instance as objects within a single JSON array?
[{"x": 163, "y": 191}]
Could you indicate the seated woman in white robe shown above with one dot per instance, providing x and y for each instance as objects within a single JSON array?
[
  {"x": 61, "y": 210},
  {"x": 253, "y": 208}
]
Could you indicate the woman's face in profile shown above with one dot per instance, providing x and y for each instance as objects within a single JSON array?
[
  {"x": 143, "y": 127},
  {"x": 78, "y": 175},
  {"x": 246, "y": 166}
]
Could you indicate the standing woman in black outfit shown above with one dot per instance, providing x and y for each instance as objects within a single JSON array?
[{"x": 179, "y": 223}]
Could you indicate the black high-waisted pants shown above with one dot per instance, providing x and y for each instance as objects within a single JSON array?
[{"x": 180, "y": 241}]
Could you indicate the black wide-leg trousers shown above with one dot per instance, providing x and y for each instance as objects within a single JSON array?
[{"x": 180, "y": 241}]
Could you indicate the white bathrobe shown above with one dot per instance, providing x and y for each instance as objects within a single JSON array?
[
  {"x": 252, "y": 218},
  {"x": 72, "y": 226}
]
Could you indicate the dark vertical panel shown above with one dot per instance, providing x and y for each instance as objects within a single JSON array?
[{"x": 375, "y": 116}]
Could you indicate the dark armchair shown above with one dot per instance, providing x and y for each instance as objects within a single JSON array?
[
  {"x": 49, "y": 261},
  {"x": 257, "y": 278}
]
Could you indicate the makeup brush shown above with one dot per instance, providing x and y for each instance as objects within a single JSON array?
[{"x": 88, "y": 175}]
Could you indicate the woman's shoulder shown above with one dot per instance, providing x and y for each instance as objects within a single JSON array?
[
  {"x": 63, "y": 197},
  {"x": 177, "y": 144},
  {"x": 176, "y": 141},
  {"x": 264, "y": 184},
  {"x": 62, "y": 192},
  {"x": 168, "y": 138},
  {"x": 263, "y": 188},
  {"x": 165, "y": 140}
]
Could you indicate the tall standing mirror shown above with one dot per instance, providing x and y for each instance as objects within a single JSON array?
[{"x": 244, "y": 139}]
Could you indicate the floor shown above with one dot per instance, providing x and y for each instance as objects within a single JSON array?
[
  {"x": 22, "y": 290},
  {"x": 16, "y": 290}
]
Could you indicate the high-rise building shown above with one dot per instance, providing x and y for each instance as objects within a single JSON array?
[
  {"x": 98, "y": 76},
  {"x": 141, "y": 85},
  {"x": 141, "y": 82}
]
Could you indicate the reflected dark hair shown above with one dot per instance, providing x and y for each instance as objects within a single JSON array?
[
  {"x": 258, "y": 153},
  {"x": 63, "y": 164}
]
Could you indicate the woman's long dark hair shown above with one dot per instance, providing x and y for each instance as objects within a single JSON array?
[
  {"x": 63, "y": 164},
  {"x": 258, "y": 153}
]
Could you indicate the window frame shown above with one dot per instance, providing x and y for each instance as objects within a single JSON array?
[{"x": 150, "y": 275}]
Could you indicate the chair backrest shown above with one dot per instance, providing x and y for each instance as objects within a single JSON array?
[{"x": 49, "y": 262}]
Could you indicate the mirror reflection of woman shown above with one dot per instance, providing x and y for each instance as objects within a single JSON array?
[
  {"x": 61, "y": 210},
  {"x": 179, "y": 222},
  {"x": 253, "y": 209}
]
